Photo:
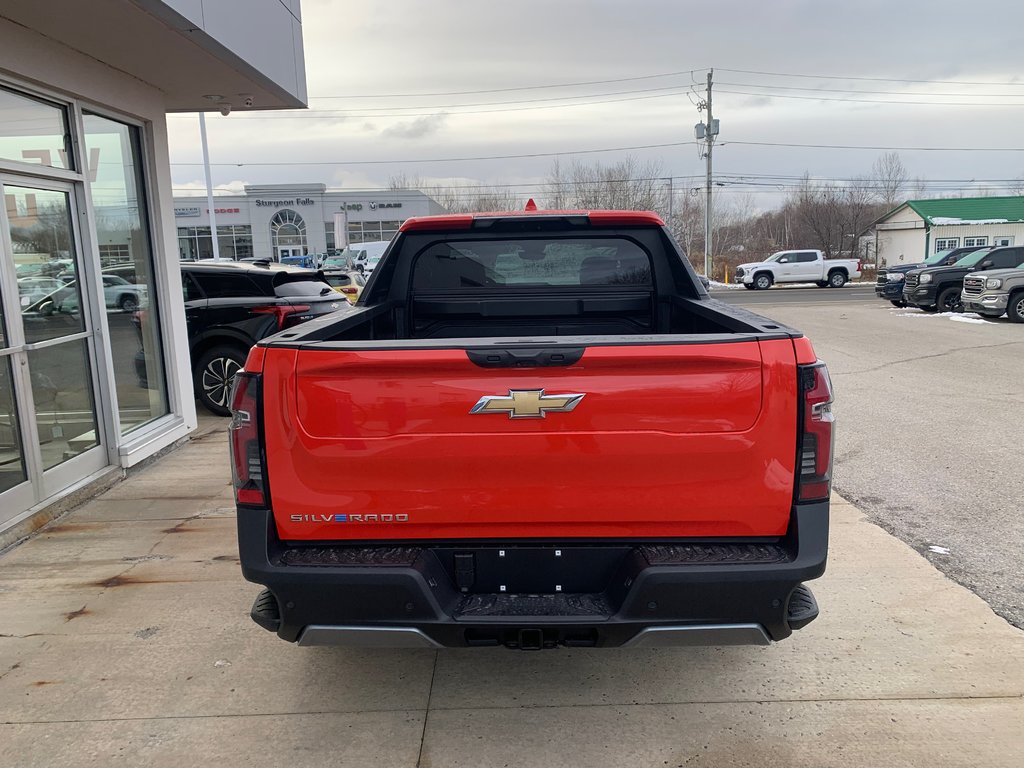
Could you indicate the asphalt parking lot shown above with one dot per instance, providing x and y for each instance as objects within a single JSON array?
[
  {"x": 125, "y": 639},
  {"x": 929, "y": 410}
]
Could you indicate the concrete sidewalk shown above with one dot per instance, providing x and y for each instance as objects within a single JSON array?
[{"x": 125, "y": 640}]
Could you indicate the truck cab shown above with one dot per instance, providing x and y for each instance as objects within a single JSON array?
[
  {"x": 939, "y": 289},
  {"x": 799, "y": 266},
  {"x": 995, "y": 293},
  {"x": 889, "y": 281}
]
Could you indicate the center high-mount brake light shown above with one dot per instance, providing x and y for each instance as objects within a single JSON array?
[
  {"x": 818, "y": 437},
  {"x": 285, "y": 314},
  {"x": 248, "y": 468}
]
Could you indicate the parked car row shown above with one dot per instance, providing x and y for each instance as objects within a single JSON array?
[
  {"x": 988, "y": 280},
  {"x": 806, "y": 266}
]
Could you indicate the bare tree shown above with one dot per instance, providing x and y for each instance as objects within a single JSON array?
[
  {"x": 628, "y": 185},
  {"x": 891, "y": 179}
]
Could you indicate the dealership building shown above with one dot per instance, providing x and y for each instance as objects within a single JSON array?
[
  {"x": 280, "y": 220},
  {"x": 95, "y": 377}
]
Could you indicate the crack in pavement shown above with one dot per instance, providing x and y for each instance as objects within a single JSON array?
[{"x": 883, "y": 366}]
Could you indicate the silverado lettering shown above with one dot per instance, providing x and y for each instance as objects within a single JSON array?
[{"x": 661, "y": 476}]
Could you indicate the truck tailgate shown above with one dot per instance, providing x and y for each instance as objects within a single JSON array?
[{"x": 668, "y": 440}]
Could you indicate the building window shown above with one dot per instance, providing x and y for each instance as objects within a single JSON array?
[
  {"x": 370, "y": 231},
  {"x": 975, "y": 242},
  {"x": 1002, "y": 240},
  {"x": 946, "y": 243},
  {"x": 329, "y": 231},
  {"x": 33, "y": 131},
  {"x": 234, "y": 241},
  {"x": 126, "y": 258},
  {"x": 288, "y": 231}
]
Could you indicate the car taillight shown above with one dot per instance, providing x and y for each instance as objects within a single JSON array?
[
  {"x": 285, "y": 314},
  {"x": 248, "y": 473},
  {"x": 817, "y": 437}
]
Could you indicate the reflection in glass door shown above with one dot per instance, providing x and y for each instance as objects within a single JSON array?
[{"x": 48, "y": 417}]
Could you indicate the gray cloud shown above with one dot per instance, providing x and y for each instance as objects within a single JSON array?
[{"x": 416, "y": 129}]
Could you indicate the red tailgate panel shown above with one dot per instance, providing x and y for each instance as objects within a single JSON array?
[{"x": 668, "y": 441}]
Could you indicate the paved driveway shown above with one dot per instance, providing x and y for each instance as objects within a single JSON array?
[{"x": 125, "y": 640}]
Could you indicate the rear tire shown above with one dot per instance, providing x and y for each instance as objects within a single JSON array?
[
  {"x": 837, "y": 279},
  {"x": 129, "y": 302},
  {"x": 949, "y": 301},
  {"x": 763, "y": 281},
  {"x": 1015, "y": 308},
  {"x": 213, "y": 375}
]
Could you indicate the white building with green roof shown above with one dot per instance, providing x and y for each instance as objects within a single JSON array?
[{"x": 918, "y": 228}]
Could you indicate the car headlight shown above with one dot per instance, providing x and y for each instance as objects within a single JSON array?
[
  {"x": 993, "y": 282},
  {"x": 895, "y": 277},
  {"x": 925, "y": 279}
]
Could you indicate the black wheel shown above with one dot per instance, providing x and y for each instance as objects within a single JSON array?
[
  {"x": 899, "y": 304},
  {"x": 1015, "y": 309},
  {"x": 129, "y": 302},
  {"x": 837, "y": 279},
  {"x": 213, "y": 374},
  {"x": 949, "y": 301},
  {"x": 762, "y": 282}
]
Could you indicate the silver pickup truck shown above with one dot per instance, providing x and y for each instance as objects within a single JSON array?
[{"x": 994, "y": 293}]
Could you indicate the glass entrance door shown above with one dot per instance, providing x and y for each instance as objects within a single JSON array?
[{"x": 49, "y": 425}]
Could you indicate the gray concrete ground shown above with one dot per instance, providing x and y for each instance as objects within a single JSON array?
[
  {"x": 125, "y": 640},
  {"x": 929, "y": 411}
]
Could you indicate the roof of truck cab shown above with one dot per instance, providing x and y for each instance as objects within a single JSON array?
[{"x": 597, "y": 218}]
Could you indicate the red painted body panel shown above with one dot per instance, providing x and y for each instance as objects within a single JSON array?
[
  {"x": 669, "y": 441},
  {"x": 597, "y": 219}
]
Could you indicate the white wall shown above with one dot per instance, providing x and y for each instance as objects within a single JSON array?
[{"x": 269, "y": 40}]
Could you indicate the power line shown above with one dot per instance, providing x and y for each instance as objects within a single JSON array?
[
  {"x": 870, "y": 79},
  {"x": 873, "y": 147},
  {"x": 517, "y": 88},
  {"x": 876, "y": 101},
  {"x": 890, "y": 93},
  {"x": 314, "y": 114},
  {"x": 448, "y": 159}
]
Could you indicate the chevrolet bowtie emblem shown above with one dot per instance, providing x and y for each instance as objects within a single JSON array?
[{"x": 526, "y": 403}]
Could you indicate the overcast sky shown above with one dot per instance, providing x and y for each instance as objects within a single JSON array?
[{"x": 358, "y": 52}]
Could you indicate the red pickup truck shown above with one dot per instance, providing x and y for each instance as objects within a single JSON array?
[{"x": 534, "y": 429}]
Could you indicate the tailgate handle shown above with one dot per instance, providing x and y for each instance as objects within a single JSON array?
[{"x": 525, "y": 357}]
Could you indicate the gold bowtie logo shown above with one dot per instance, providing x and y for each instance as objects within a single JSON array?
[{"x": 526, "y": 403}]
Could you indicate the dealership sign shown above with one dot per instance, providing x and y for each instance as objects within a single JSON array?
[{"x": 284, "y": 203}]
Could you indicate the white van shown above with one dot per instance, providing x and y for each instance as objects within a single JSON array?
[{"x": 365, "y": 256}]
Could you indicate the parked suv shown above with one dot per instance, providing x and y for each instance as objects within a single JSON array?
[
  {"x": 996, "y": 292},
  {"x": 938, "y": 289},
  {"x": 229, "y": 306},
  {"x": 889, "y": 281}
]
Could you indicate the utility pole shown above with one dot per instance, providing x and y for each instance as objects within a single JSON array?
[
  {"x": 710, "y": 130},
  {"x": 209, "y": 186}
]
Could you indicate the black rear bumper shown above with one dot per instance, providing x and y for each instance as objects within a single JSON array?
[{"x": 536, "y": 594}]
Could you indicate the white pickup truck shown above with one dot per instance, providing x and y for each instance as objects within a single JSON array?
[{"x": 797, "y": 267}]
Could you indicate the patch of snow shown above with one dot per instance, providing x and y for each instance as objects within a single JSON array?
[
  {"x": 938, "y": 550},
  {"x": 940, "y": 220},
  {"x": 959, "y": 317},
  {"x": 969, "y": 318},
  {"x": 222, "y": 663},
  {"x": 727, "y": 286}
]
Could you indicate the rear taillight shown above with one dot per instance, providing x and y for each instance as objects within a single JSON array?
[
  {"x": 248, "y": 469},
  {"x": 350, "y": 291},
  {"x": 817, "y": 438},
  {"x": 285, "y": 314}
]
